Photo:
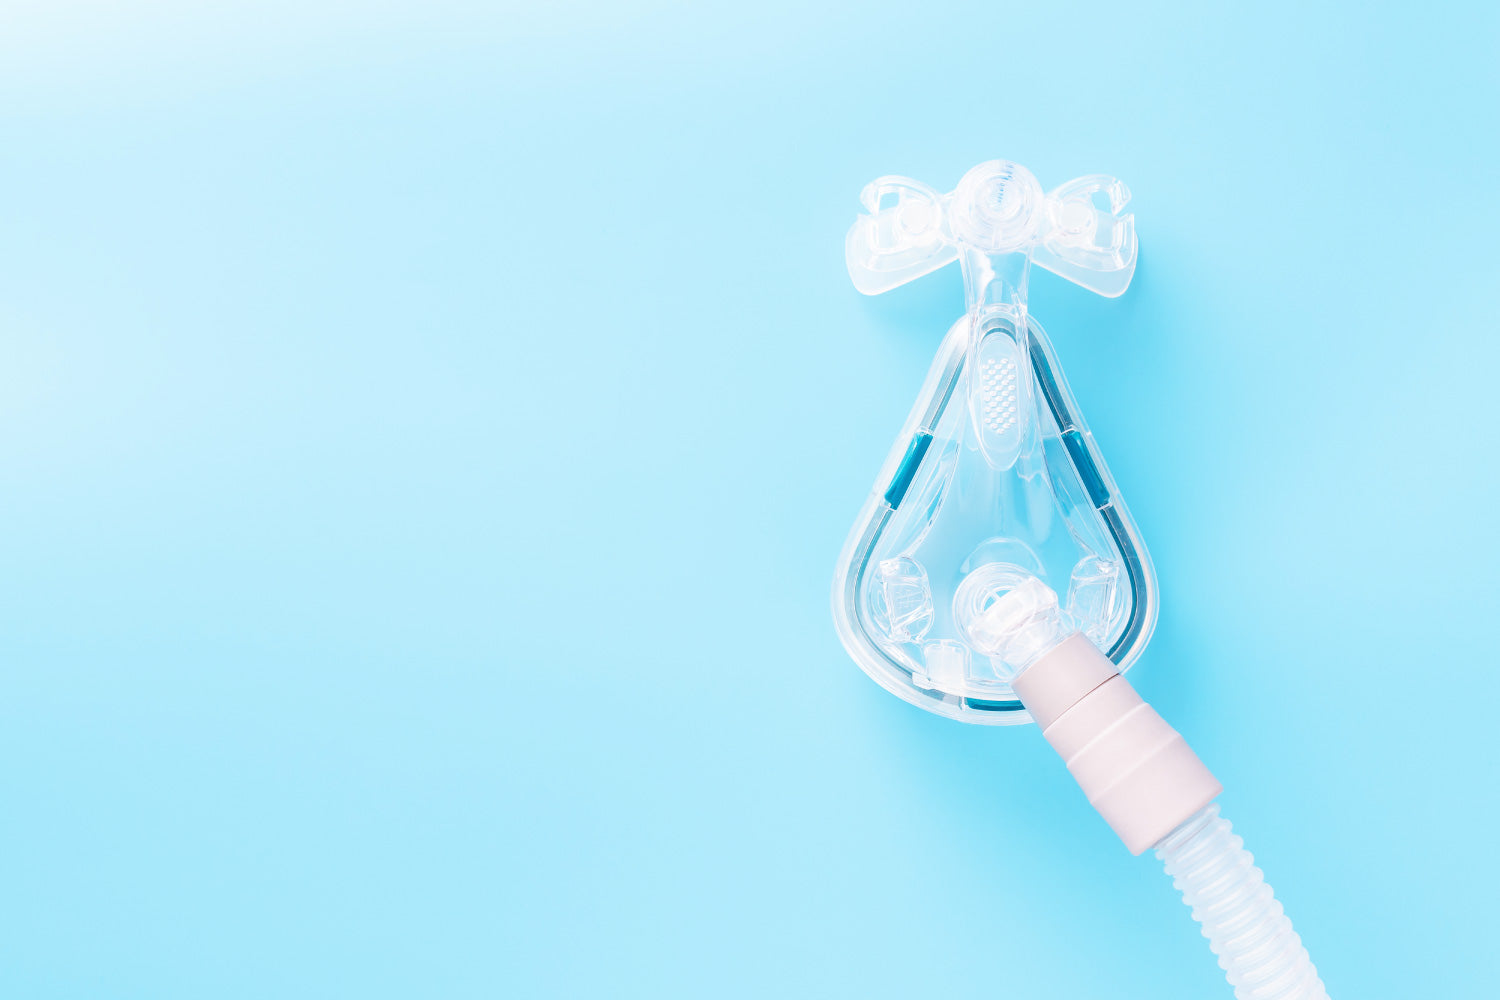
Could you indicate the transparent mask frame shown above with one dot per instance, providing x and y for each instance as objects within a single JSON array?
[{"x": 994, "y": 470}]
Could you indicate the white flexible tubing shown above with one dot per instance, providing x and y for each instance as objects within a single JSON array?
[
  {"x": 1262, "y": 957},
  {"x": 1151, "y": 788}
]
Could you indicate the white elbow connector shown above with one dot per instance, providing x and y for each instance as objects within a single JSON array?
[{"x": 1136, "y": 770}]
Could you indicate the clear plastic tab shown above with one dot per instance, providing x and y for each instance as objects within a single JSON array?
[{"x": 903, "y": 236}]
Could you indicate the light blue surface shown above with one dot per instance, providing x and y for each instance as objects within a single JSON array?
[{"x": 427, "y": 434}]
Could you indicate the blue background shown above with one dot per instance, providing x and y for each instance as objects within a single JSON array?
[{"x": 427, "y": 433}]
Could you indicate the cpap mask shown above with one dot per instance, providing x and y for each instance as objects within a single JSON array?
[{"x": 994, "y": 574}]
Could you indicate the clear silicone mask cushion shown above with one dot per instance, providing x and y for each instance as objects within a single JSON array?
[
  {"x": 994, "y": 574},
  {"x": 995, "y": 466}
]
